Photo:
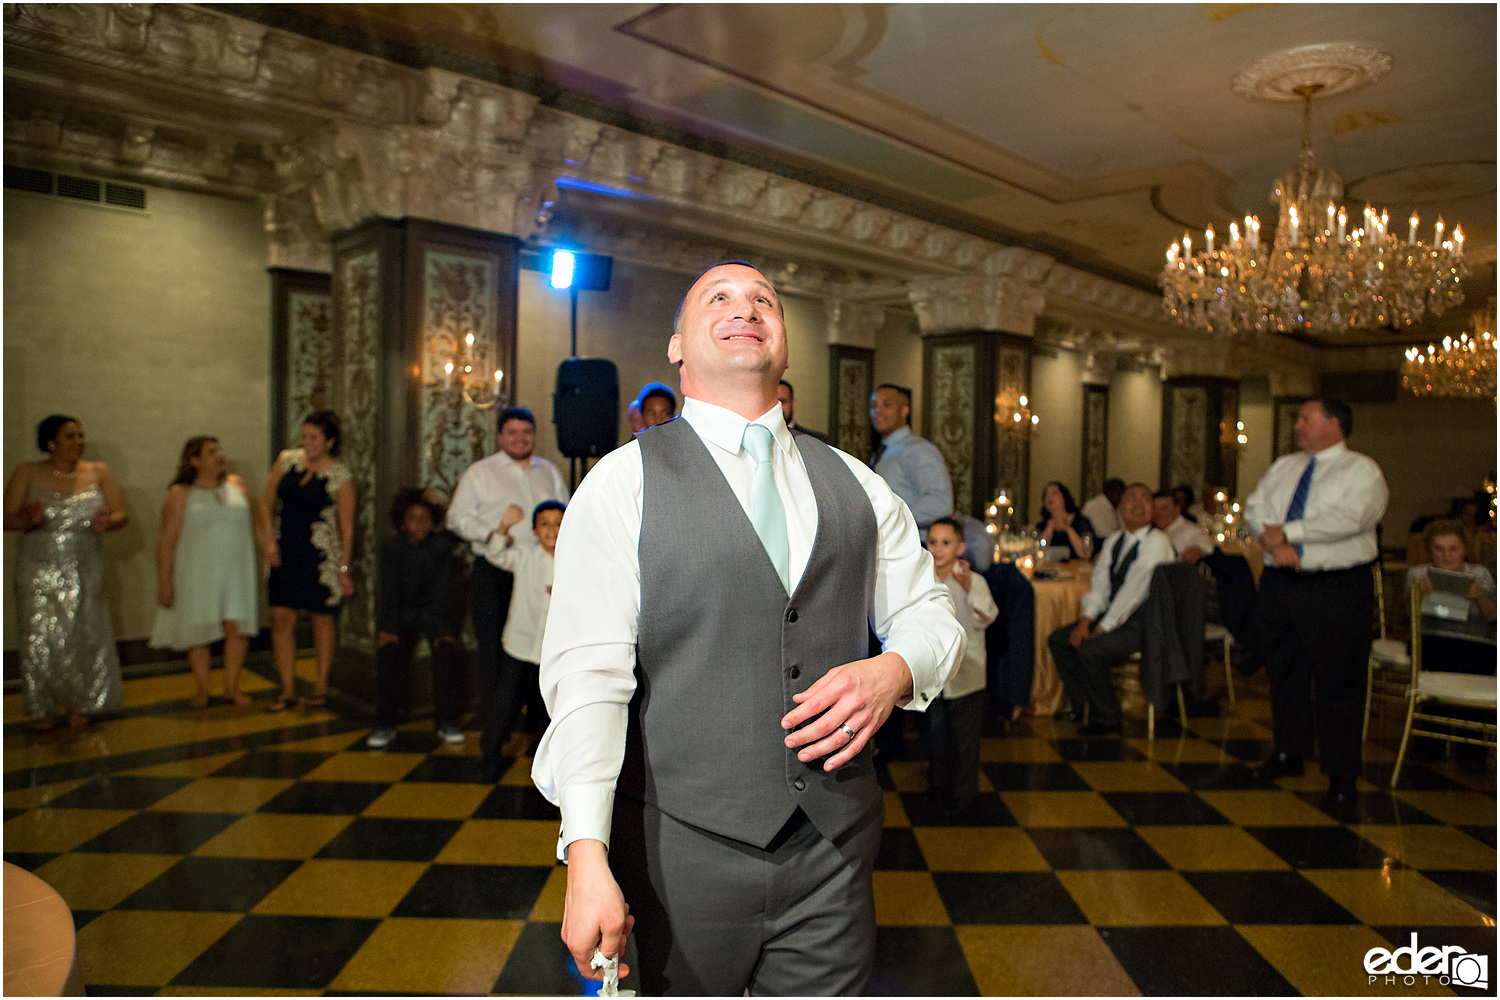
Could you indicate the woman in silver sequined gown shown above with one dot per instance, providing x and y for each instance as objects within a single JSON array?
[{"x": 62, "y": 507}]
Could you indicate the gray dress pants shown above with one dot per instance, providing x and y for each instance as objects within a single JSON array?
[{"x": 715, "y": 916}]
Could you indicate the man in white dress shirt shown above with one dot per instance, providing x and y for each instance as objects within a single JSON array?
[
  {"x": 1189, "y": 540},
  {"x": 1102, "y": 510},
  {"x": 512, "y": 476},
  {"x": 1111, "y": 627},
  {"x": 748, "y": 815},
  {"x": 1315, "y": 512}
]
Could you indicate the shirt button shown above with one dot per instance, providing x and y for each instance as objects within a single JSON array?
[
  {"x": 794, "y": 673},
  {"x": 799, "y": 784},
  {"x": 791, "y": 616}
]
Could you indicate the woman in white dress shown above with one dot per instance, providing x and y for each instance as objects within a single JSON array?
[{"x": 205, "y": 567}]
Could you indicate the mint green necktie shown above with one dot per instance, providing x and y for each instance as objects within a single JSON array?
[{"x": 767, "y": 514}]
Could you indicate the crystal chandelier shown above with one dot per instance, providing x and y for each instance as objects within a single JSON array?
[
  {"x": 1318, "y": 274},
  {"x": 1459, "y": 369}
]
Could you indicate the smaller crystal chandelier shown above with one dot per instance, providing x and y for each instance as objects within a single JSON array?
[
  {"x": 1458, "y": 369},
  {"x": 1014, "y": 416},
  {"x": 1319, "y": 274},
  {"x": 463, "y": 368}
]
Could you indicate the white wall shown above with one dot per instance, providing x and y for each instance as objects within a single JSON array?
[
  {"x": 898, "y": 360},
  {"x": 1258, "y": 416},
  {"x": 1431, "y": 450},
  {"x": 1057, "y": 444},
  {"x": 150, "y": 328},
  {"x": 1135, "y": 426}
]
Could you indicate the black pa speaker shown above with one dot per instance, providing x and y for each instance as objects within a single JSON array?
[{"x": 586, "y": 407}]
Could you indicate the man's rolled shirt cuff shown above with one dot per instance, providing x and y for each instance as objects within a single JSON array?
[
  {"x": 1295, "y": 531},
  {"x": 587, "y": 814}
]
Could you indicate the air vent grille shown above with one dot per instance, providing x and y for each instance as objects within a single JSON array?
[
  {"x": 124, "y": 196},
  {"x": 79, "y": 188},
  {"x": 82, "y": 188},
  {"x": 26, "y": 179}
]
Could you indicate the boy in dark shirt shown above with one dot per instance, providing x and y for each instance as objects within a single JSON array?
[{"x": 414, "y": 567}]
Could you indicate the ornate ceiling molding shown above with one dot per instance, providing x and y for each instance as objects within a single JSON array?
[
  {"x": 853, "y": 324},
  {"x": 976, "y": 302},
  {"x": 328, "y": 137},
  {"x": 1334, "y": 67}
]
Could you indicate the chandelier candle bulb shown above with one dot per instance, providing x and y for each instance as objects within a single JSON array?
[
  {"x": 1411, "y": 234},
  {"x": 1329, "y": 230},
  {"x": 1343, "y": 221},
  {"x": 1458, "y": 239},
  {"x": 1437, "y": 233},
  {"x": 448, "y": 375},
  {"x": 1208, "y": 237},
  {"x": 1292, "y": 236},
  {"x": 1234, "y": 235}
]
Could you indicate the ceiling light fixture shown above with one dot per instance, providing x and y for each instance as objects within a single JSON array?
[
  {"x": 1320, "y": 271},
  {"x": 1459, "y": 369}
]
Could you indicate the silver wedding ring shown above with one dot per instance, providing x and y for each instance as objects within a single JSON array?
[{"x": 847, "y": 730}]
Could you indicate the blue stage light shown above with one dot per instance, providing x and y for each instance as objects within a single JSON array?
[{"x": 562, "y": 268}]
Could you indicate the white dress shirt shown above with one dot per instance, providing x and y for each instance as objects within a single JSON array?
[
  {"x": 494, "y": 483},
  {"x": 529, "y": 598},
  {"x": 1103, "y": 516},
  {"x": 1184, "y": 535},
  {"x": 1345, "y": 502},
  {"x": 588, "y": 653},
  {"x": 1156, "y": 548},
  {"x": 975, "y": 609}
]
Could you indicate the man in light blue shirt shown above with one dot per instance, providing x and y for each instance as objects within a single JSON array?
[{"x": 912, "y": 466}]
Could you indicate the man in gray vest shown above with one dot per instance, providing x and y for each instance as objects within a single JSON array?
[{"x": 706, "y": 651}]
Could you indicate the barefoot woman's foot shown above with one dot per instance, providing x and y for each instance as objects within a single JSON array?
[
  {"x": 282, "y": 703},
  {"x": 237, "y": 698},
  {"x": 77, "y": 720},
  {"x": 43, "y": 725},
  {"x": 200, "y": 700}
]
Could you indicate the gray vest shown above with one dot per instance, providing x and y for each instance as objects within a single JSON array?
[{"x": 721, "y": 649}]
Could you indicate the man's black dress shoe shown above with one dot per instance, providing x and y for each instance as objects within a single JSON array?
[
  {"x": 1279, "y": 765},
  {"x": 1100, "y": 729},
  {"x": 1341, "y": 794}
]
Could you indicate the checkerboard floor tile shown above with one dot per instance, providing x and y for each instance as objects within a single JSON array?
[{"x": 231, "y": 852}]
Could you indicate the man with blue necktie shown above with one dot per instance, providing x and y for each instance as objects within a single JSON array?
[{"x": 1315, "y": 512}]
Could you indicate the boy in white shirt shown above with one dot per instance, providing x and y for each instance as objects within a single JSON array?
[
  {"x": 521, "y": 644},
  {"x": 953, "y": 722}
]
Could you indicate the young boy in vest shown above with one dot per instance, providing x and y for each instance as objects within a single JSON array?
[
  {"x": 954, "y": 721},
  {"x": 521, "y": 644}
]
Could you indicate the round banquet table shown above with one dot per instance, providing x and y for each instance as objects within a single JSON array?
[
  {"x": 1058, "y": 603},
  {"x": 1251, "y": 550},
  {"x": 40, "y": 949}
]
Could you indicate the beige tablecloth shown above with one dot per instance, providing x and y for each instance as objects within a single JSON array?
[
  {"x": 40, "y": 958},
  {"x": 1057, "y": 604}
]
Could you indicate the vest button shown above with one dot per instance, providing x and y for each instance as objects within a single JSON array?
[
  {"x": 794, "y": 673},
  {"x": 799, "y": 784},
  {"x": 791, "y": 616}
]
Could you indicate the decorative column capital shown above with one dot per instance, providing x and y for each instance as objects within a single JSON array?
[
  {"x": 467, "y": 167},
  {"x": 853, "y": 324},
  {"x": 975, "y": 302}
]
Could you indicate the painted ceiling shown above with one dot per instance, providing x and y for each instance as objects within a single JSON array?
[{"x": 1095, "y": 133}]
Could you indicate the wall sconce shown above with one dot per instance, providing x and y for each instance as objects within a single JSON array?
[
  {"x": 1232, "y": 439},
  {"x": 1014, "y": 416},
  {"x": 464, "y": 368}
]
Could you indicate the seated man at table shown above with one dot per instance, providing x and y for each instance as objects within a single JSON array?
[
  {"x": 1189, "y": 540},
  {"x": 1111, "y": 626}
]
